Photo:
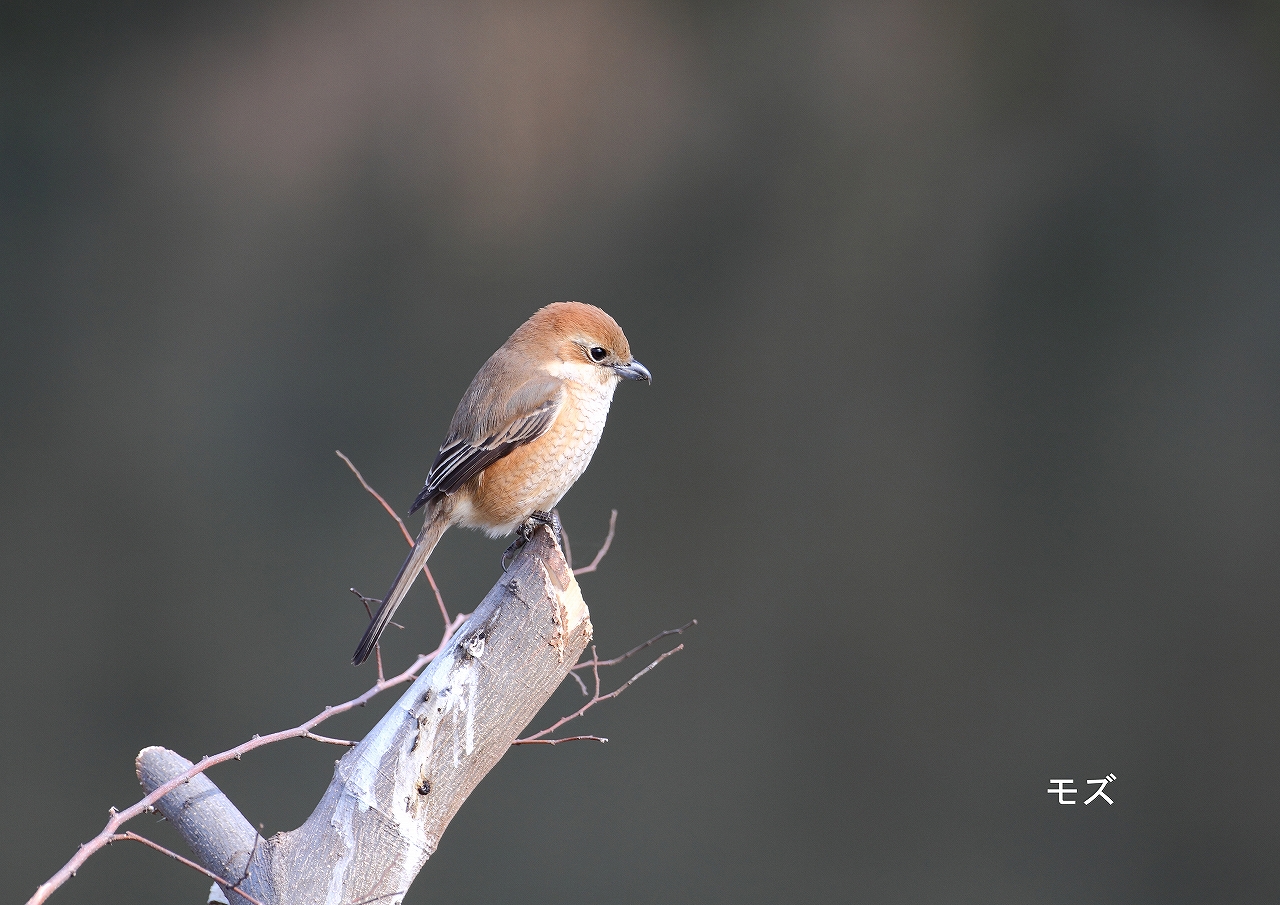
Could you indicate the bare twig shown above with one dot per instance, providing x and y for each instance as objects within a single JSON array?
[
  {"x": 110, "y": 832},
  {"x": 403, "y": 530},
  {"x": 257, "y": 838},
  {"x": 130, "y": 836},
  {"x": 556, "y": 741},
  {"x": 377, "y": 496},
  {"x": 431, "y": 580},
  {"x": 377, "y": 648},
  {"x": 147, "y": 804},
  {"x": 331, "y": 741},
  {"x": 635, "y": 650},
  {"x": 604, "y": 548},
  {"x": 595, "y": 664},
  {"x": 368, "y": 600},
  {"x": 565, "y": 546}
]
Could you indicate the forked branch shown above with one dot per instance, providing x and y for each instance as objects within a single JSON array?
[{"x": 471, "y": 696}]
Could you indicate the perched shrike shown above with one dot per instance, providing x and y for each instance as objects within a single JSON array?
[{"x": 523, "y": 433}]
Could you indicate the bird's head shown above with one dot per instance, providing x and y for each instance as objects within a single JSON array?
[{"x": 581, "y": 342}]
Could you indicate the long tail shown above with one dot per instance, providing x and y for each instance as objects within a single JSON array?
[{"x": 436, "y": 522}]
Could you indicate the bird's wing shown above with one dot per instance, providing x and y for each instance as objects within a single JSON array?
[{"x": 533, "y": 408}]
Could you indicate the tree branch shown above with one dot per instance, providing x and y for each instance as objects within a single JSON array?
[
  {"x": 393, "y": 795},
  {"x": 635, "y": 650},
  {"x": 604, "y": 548},
  {"x": 130, "y": 836},
  {"x": 405, "y": 531},
  {"x": 148, "y": 803},
  {"x": 487, "y": 708},
  {"x": 596, "y": 698}
]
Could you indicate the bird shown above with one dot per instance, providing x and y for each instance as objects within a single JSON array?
[{"x": 524, "y": 432}]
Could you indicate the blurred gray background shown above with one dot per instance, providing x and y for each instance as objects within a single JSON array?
[{"x": 962, "y": 443}]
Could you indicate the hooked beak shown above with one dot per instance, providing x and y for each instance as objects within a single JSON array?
[{"x": 633, "y": 370}]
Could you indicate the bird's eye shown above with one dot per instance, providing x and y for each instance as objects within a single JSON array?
[{"x": 598, "y": 353}]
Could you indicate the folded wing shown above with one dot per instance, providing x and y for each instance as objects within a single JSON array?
[{"x": 467, "y": 452}]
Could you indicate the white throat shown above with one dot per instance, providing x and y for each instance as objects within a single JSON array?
[{"x": 592, "y": 377}]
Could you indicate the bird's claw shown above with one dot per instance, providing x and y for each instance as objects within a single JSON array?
[
  {"x": 509, "y": 554},
  {"x": 525, "y": 532},
  {"x": 550, "y": 519}
]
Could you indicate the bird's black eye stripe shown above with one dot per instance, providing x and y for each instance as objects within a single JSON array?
[{"x": 598, "y": 353}]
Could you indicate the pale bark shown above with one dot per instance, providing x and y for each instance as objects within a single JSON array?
[{"x": 393, "y": 795}]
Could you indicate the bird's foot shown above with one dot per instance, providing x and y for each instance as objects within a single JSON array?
[
  {"x": 525, "y": 532},
  {"x": 510, "y": 553},
  {"x": 550, "y": 519}
]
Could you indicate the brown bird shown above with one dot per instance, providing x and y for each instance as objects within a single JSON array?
[{"x": 523, "y": 433}]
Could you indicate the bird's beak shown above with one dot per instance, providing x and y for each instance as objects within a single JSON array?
[{"x": 633, "y": 370}]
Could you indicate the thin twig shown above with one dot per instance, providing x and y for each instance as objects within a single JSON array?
[
  {"x": 604, "y": 548},
  {"x": 366, "y": 600},
  {"x": 148, "y": 803},
  {"x": 130, "y": 836},
  {"x": 257, "y": 838},
  {"x": 431, "y": 580},
  {"x": 596, "y": 698},
  {"x": 403, "y": 530},
  {"x": 377, "y": 648},
  {"x": 635, "y": 650},
  {"x": 346, "y": 743},
  {"x": 556, "y": 741},
  {"x": 566, "y": 547},
  {"x": 377, "y": 496}
]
